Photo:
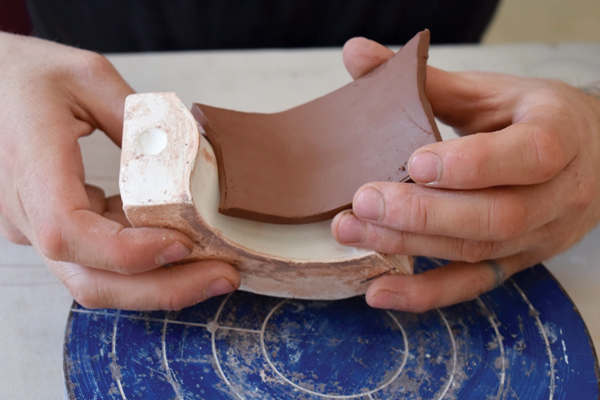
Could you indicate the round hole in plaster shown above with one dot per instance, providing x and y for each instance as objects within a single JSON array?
[{"x": 151, "y": 141}]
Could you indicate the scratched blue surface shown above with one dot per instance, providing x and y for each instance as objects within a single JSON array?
[{"x": 525, "y": 340}]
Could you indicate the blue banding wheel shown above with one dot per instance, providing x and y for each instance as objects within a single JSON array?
[{"x": 524, "y": 340}]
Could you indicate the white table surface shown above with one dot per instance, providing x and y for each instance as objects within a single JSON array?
[{"x": 34, "y": 305}]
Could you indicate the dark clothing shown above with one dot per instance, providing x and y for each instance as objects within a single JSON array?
[
  {"x": 14, "y": 17},
  {"x": 153, "y": 25}
]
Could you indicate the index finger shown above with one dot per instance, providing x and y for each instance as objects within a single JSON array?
[
  {"x": 361, "y": 55},
  {"x": 83, "y": 237},
  {"x": 64, "y": 228},
  {"x": 524, "y": 153}
]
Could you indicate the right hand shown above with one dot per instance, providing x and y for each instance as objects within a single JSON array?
[
  {"x": 519, "y": 186},
  {"x": 50, "y": 96}
]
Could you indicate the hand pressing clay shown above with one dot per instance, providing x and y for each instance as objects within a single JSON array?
[
  {"x": 305, "y": 164},
  {"x": 171, "y": 176}
]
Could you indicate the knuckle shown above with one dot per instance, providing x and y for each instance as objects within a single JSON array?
[
  {"x": 549, "y": 153},
  {"x": 477, "y": 162},
  {"x": 14, "y": 236},
  {"x": 85, "y": 293},
  {"x": 170, "y": 298},
  {"x": 416, "y": 301},
  {"x": 421, "y": 304},
  {"x": 418, "y": 215},
  {"x": 173, "y": 301},
  {"x": 123, "y": 264},
  {"x": 475, "y": 251},
  {"x": 585, "y": 194},
  {"x": 507, "y": 218},
  {"x": 123, "y": 259},
  {"x": 83, "y": 65},
  {"x": 18, "y": 238},
  {"x": 52, "y": 243},
  {"x": 389, "y": 241},
  {"x": 127, "y": 265},
  {"x": 91, "y": 63},
  {"x": 403, "y": 244}
]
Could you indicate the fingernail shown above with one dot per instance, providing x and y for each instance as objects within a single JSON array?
[
  {"x": 386, "y": 300},
  {"x": 350, "y": 229},
  {"x": 369, "y": 204},
  {"x": 172, "y": 253},
  {"x": 218, "y": 287},
  {"x": 425, "y": 167}
]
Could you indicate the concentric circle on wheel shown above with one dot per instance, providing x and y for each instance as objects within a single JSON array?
[{"x": 320, "y": 348}]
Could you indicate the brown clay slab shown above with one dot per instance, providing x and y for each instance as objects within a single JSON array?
[{"x": 305, "y": 164}]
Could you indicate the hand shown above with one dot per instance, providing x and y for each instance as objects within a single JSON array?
[
  {"x": 50, "y": 96},
  {"x": 521, "y": 185}
]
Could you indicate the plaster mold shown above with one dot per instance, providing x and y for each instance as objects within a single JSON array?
[{"x": 169, "y": 178}]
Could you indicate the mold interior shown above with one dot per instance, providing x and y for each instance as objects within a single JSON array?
[{"x": 304, "y": 242}]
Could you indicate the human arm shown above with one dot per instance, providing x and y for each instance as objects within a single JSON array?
[
  {"x": 50, "y": 96},
  {"x": 518, "y": 187}
]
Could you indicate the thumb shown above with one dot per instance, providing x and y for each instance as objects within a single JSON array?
[{"x": 361, "y": 55}]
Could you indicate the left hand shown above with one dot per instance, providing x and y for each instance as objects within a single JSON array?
[
  {"x": 520, "y": 185},
  {"x": 51, "y": 95}
]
